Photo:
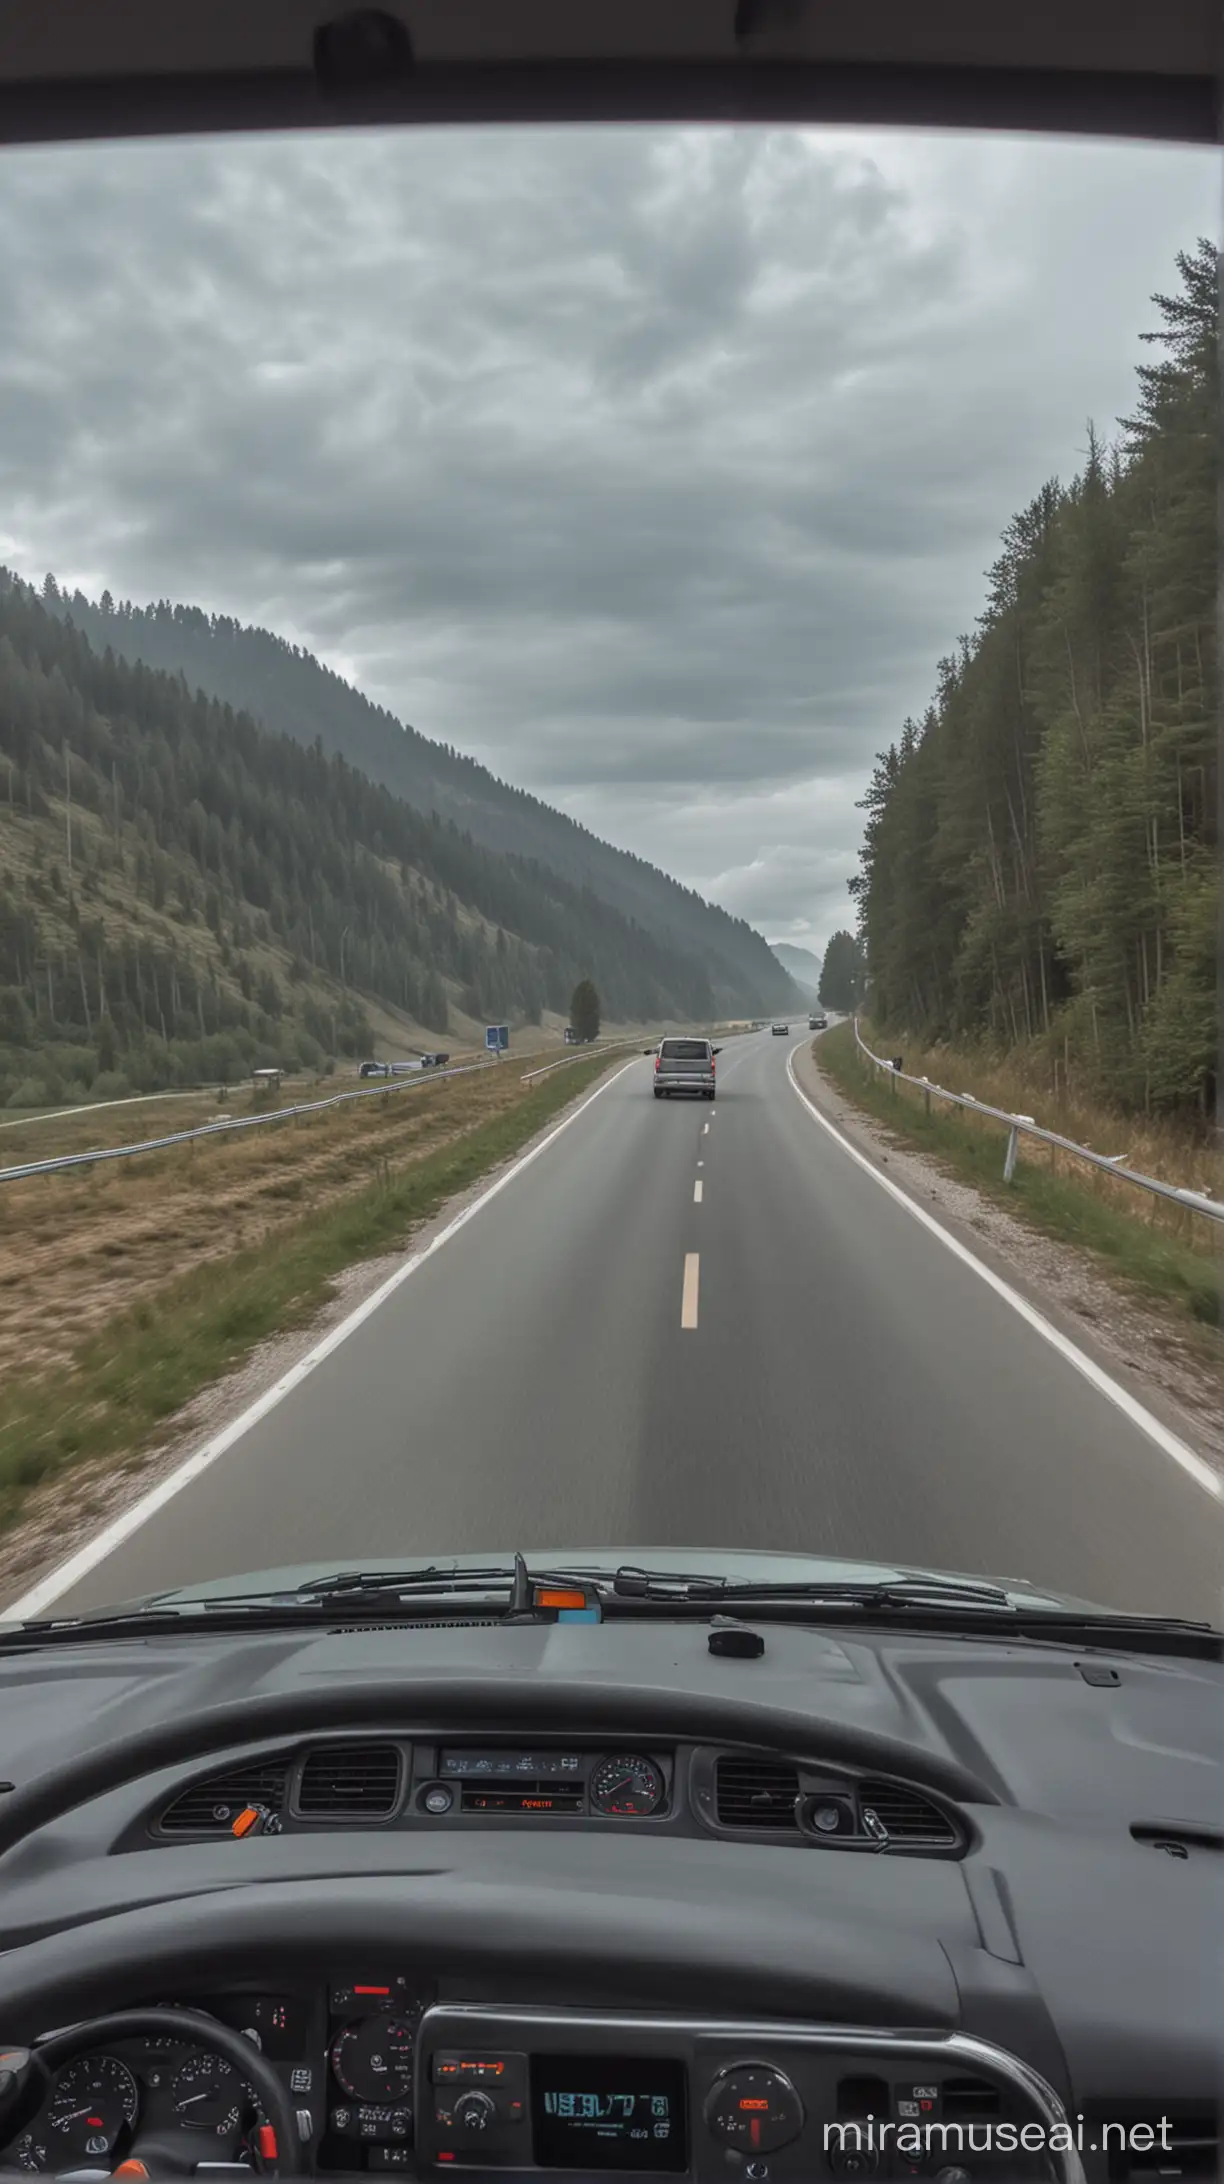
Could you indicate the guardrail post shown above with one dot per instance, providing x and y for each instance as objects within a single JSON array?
[{"x": 1009, "y": 1158}]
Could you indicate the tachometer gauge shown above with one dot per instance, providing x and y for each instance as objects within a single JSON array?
[
  {"x": 209, "y": 2095},
  {"x": 626, "y": 1786},
  {"x": 373, "y": 2059},
  {"x": 91, "y": 2103}
]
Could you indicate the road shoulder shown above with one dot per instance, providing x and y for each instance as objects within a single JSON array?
[
  {"x": 53, "y": 1525},
  {"x": 1140, "y": 1349}
]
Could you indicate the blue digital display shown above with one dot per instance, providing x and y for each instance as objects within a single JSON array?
[{"x": 592, "y": 2112}]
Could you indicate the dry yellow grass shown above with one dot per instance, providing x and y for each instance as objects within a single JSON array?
[{"x": 77, "y": 1249}]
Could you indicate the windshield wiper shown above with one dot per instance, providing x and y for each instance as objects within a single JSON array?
[{"x": 635, "y": 1584}]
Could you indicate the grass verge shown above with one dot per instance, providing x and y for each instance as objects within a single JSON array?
[
  {"x": 1135, "y": 1248},
  {"x": 122, "y": 1386}
]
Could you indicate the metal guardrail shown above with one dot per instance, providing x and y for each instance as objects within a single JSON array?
[
  {"x": 1018, "y": 1126},
  {"x": 229, "y": 1123},
  {"x": 582, "y": 1053}
]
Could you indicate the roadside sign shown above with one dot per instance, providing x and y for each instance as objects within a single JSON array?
[{"x": 497, "y": 1038}]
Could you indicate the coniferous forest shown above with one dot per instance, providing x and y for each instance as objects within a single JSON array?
[
  {"x": 184, "y": 891},
  {"x": 1040, "y": 862}
]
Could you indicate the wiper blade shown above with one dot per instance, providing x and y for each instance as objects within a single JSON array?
[
  {"x": 437, "y": 1577},
  {"x": 900, "y": 1592}
]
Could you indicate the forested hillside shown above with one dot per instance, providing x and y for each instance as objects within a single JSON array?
[
  {"x": 180, "y": 888},
  {"x": 293, "y": 693},
  {"x": 1041, "y": 853}
]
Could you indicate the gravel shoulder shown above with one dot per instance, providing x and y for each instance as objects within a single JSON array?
[{"x": 1142, "y": 1348}]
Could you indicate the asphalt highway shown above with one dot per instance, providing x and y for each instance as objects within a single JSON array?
[{"x": 701, "y": 1327}]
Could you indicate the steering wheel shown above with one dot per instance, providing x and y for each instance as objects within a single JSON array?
[{"x": 26, "y": 2075}]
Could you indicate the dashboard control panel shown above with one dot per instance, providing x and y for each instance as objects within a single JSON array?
[
  {"x": 536, "y": 1782},
  {"x": 578, "y": 2095}
]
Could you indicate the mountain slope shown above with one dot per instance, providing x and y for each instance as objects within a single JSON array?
[
  {"x": 291, "y": 692},
  {"x": 181, "y": 888},
  {"x": 799, "y": 964}
]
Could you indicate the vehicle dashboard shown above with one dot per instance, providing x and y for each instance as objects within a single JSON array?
[{"x": 586, "y": 1914}]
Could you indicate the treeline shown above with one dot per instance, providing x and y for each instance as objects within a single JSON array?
[
  {"x": 242, "y": 841},
  {"x": 842, "y": 974},
  {"x": 289, "y": 691},
  {"x": 1041, "y": 851}
]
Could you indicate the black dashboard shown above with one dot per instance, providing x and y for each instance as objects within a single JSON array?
[{"x": 591, "y": 1902}]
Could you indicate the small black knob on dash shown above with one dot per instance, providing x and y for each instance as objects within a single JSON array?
[{"x": 734, "y": 1641}]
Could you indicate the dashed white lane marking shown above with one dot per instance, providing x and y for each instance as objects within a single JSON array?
[
  {"x": 698, "y": 1187},
  {"x": 688, "y": 1300},
  {"x": 705, "y": 1129},
  {"x": 1105, "y": 1384}
]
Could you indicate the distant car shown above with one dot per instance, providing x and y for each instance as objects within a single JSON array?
[
  {"x": 780, "y": 1030},
  {"x": 818, "y": 1023},
  {"x": 434, "y": 1061},
  {"x": 375, "y": 1069},
  {"x": 684, "y": 1065}
]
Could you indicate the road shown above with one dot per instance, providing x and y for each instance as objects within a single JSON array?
[{"x": 700, "y": 1326}]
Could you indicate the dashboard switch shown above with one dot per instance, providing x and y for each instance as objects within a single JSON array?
[{"x": 475, "y": 2111}]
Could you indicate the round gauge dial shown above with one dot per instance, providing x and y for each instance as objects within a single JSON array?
[
  {"x": 92, "y": 2102},
  {"x": 627, "y": 1786},
  {"x": 209, "y": 2095},
  {"x": 373, "y": 2059}
]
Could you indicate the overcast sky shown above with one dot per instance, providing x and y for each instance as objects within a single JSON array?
[{"x": 655, "y": 469}]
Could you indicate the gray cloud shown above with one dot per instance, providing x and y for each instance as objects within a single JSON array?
[{"x": 657, "y": 469}]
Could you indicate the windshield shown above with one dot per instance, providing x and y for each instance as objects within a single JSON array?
[{"x": 486, "y": 614}]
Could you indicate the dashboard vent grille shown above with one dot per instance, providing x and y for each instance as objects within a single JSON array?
[
  {"x": 757, "y": 1793},
  {"x": 210, "y": 1807},
  {"x": 909, "y": 1817},
  {"x": 349, "y": 1782},
  {"x": 1187, "y": 2153}
]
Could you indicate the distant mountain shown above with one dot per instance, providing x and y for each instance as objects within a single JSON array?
[
  {"x": 183, "y": 891},
  {"x": 292, "y": 693},
  {"x": 799, "y": 964}
]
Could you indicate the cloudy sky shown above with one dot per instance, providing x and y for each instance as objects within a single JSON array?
[{"x": 656, "y": 469}]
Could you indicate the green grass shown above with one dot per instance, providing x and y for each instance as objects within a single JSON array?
[
  {"x": 1135, "y": 1248},
  {"x": 125, "y": 1384}
]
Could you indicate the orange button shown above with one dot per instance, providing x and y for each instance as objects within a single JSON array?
[
  {"x": 265, "y": 2140},
  {"x": 553, "y": 1596},
  {"x": 245, "y": 1821},
  {"x": 130, "y": 2168}
]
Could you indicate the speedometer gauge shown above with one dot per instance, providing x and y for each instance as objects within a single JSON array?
[
  {"x": 373, "y": 2059},
  {"x": 91, "y": 2103},
  {"x": 209, "y": 2095},
  {"x": 626, "y": 1786}
]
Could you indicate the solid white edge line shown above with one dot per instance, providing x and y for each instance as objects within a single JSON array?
[
  {"x": 87, "y": 1558},
  {"x": 1103, "y": 1382}
]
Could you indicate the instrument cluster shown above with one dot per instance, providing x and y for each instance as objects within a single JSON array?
[{"x": 345, "y": 2055}]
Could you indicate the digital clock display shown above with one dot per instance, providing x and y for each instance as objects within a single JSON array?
[{"x": 595, "y": 2112}]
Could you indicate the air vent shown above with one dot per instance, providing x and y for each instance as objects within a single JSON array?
[
  {"x": 349, "y": 1782},
  {"x": 210, "y": 1807},
  {"x": 1185, "y": 2151},
  {"x": 910, "y": 1818},
  {"x": 439, "y": 1622},
  {"x": 969, "y": 2100},
  {"x": 757, "y": 1793}
]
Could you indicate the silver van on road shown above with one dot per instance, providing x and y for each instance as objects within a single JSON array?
[{"x": 684, "y": 1065}]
